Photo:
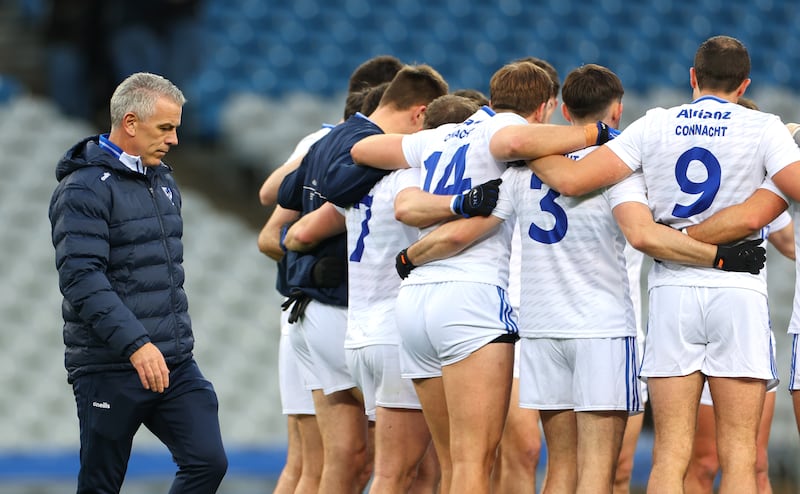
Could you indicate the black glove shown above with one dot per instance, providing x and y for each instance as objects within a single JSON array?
[
  {"x": 403, "y": 264},
  {"x": 746, "y": 257},
  {"x": 298, "y": 301},
  {"x": 329, "y": 272},
  {"x": 605, "y": 133},
  {"x": 479, "y": 200}
]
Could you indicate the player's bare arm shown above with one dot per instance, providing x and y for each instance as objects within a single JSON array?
[
  {"x": 740, "y": 221},
  {"x": 783, "y": 240},
  {"x": 600, "y": 168},
  {"x": 667, "y": 244},
  {"x": 415, "y": 207},
  {"x": 451, "y": 238},
  {"x": 517, "y": 142},
  {"x": 421, "y": 209},
  {"x": 313, "y": 228},
  {"x": 268, "y": 193},
  {"x": 269, "y": 238},
  {"x": 384, "y": 151},
  {"x": 660, "y": 241}
]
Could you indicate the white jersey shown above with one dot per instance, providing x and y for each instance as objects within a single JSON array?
[
  {"x": 697, "y": 159},
  {"x": 633, "y": 262},
  {"x": 301, "y": 149},
  {"x": 574, "y": 279},
  {"x": 453, "y": 159},
  {"x": 374, "y": 237},
  {"x": 515, "y": 268},
  {"x": 794, "y": 322},
  {"x": 306, "y": 142}
]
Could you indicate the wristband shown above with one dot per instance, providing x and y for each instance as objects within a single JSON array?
[{"x": 453, "y": 204}]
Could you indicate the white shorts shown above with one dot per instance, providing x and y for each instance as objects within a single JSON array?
[
  {"x": 443, "y": 323},
  {"x": 318, "y": 341},
  {"x": 772, "y": 385},
  {"x": 295, "y": 398},
  {"x": 794, "y": 365},
  {"x": 517, "y": 358},
  {"x": 376, "y": 369},
  {"x": 705, "y": 395},
  {"x": 721, "y": 332},
  {"x": 581, "y": 374}
]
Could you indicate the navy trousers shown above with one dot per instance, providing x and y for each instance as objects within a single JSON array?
[{"x": 112, "y": 406}]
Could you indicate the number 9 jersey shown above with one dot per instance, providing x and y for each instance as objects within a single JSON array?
[{"x": 697, "y": 159}]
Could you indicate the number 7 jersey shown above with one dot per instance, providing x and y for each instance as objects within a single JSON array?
[
  {"x": 697, "y": 159},
  {"x": 452, "y": 159}
]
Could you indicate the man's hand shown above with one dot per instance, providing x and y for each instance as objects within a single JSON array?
[
  {"x": 605, "y": 133},
  {"x": 149, "y": 363},
  {"x": 477, "y": 201},
  {"x": 329, "y": 272},
  {"x": 403, "y": 264},
  {"x": 748, "y": 257},
  {"x": 297, "y": 301}
]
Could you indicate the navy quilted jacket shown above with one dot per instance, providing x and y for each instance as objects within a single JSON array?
[{"x": 117, "y": 238}]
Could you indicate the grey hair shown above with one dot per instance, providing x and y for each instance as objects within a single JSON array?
[{"x": 138, "y": 94}]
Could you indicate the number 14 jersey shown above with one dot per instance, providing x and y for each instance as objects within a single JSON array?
[{"x": 453, "y": 159}]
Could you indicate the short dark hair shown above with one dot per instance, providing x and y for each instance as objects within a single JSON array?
[
  {"x": 590, "y": 89},
  {"x": 449, "y": 108},
  {"x": 354, "y": 102},
  {"x": 373, "y": 98},
  {"x": 374, "y": 71},
  {"x": 414, "y": 85},
  {"x": 473, "y": 94},
  {"x": 721, "y": 63}
]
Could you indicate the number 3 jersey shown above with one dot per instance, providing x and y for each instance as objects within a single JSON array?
[
  {"x": 574, "y": 280},
  {"x": 697, "y": 159},
  {"x": 453, "y": 159}
]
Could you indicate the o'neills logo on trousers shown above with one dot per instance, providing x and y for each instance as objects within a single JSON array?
[{"x": 98, "y": 404}]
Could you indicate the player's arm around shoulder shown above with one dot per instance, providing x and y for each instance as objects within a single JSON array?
[
  {"x": 660, "y": 241},
  {"x": 740, "y": 220},
  {"x": 783, "y": 240},
  {"x": 314, "y": 227},
  {"x": 269, "y": 238},
  {"x": 530, "y": 141},
  {"x": 384, "y": 151},
  {"x": 451, "y": 238},
  {"x": 268, "y": 193},
  {"x": 421, "y": 209},
  {"x": 600, "y": 168}
]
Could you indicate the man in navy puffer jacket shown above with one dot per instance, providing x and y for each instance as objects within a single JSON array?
[{"x": 117, "y": 227}]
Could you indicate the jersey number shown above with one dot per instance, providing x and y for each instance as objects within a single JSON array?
[
  {"x": 707, "y": 189},
  {"x": 548, "y": 205},
  {"x": 365, "y": 201},
  {"x": 454, "y": 169}
]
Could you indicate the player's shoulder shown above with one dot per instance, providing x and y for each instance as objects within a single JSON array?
[{"x": 516, "y": 173}]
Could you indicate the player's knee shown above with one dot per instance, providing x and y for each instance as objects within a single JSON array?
[
  {"x": 704, "y": 467},
  {"x": 529, "y": 454},
  {"x": 623, "y": 472}
]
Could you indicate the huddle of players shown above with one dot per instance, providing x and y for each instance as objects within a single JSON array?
[{"x": 453, "y": 331}]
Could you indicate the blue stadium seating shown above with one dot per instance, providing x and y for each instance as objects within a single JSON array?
[{"x": 309, "y": 45}]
